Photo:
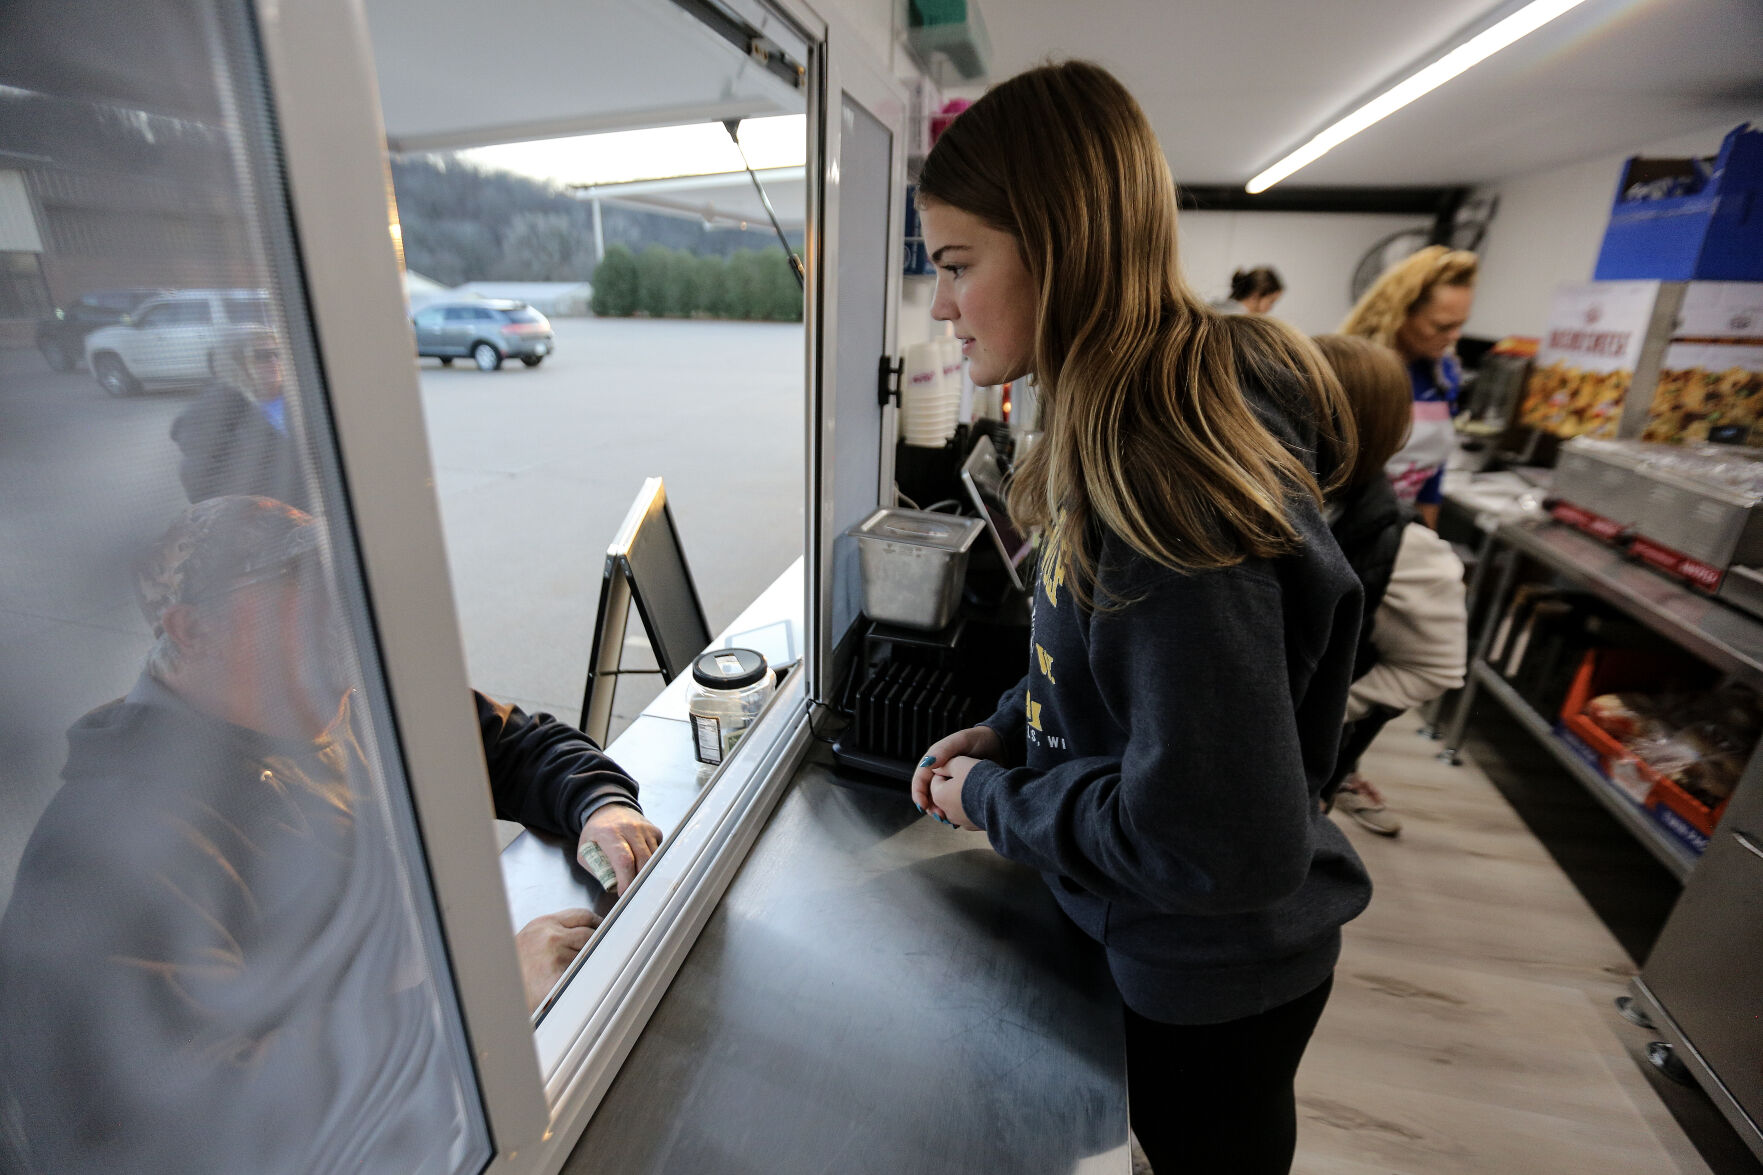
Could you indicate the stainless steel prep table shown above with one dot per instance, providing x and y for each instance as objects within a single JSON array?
[{"x": 875, "y": 993}]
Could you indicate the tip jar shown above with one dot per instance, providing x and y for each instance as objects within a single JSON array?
[{"x": 729, "y": 688}]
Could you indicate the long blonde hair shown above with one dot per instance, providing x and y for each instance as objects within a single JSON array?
[
  {"x": 1147, "y": 429},
  {"x": 1404, "y": 288}
]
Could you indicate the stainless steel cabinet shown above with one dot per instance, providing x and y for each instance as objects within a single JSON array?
[{"x": 1704, "y": 977}]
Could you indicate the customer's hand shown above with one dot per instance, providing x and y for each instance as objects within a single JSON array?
[
  {"x": 546, "y": 945},
  {"x": 978, "y": 742},
  {"x": 627, "y": 839}
]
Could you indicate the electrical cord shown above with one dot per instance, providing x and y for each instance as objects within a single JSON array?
[{"x": 812, "y": 732}]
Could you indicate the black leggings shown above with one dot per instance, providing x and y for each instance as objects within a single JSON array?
[
  {"x": 1216, "y": 1099},
  {"x": 1356, "y": 738}
]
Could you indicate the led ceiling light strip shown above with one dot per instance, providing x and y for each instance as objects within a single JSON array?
[{"x": 1480, "y": 47}]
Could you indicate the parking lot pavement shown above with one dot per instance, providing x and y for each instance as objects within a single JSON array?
[{"x": 536, "y": 467}]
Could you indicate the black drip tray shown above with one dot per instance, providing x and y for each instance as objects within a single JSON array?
[
  {"x": 896, "y": 770},
  {"x": 905, "y": 706},
  {"x": 912, "y": 688}
]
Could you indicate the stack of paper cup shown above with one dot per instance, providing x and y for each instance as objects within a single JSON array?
[
  {"x": 952, "y": 370},
  {"x": 928, "y": 401}
]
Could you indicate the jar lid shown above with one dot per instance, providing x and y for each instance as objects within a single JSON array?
[{"x": 729, "y": 668}]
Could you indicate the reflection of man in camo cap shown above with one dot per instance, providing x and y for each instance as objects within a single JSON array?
[
  {"x": 212, "y": 941},
  {"x": 220, "y": 543},
  {"x": 243, "y": 627},
  {"x": 245, "y": 630}
]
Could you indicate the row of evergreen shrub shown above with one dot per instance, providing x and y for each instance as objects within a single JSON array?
[{"x": 671, "y": 283}]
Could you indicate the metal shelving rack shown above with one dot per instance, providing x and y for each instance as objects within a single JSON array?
[
  {"x": 1671, "y": 854},
  {"x": 1725, "y": 638}
]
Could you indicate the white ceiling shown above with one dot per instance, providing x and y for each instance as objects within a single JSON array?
[{"x": 1232, "y": 86}]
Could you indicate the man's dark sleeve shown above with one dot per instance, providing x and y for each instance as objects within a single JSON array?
[{"x": 546, "y": 774}]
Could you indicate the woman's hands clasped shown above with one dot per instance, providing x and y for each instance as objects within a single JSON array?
[{"x": 937, "y": 784}]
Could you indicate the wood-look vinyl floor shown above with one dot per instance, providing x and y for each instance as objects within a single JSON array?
[{"x": 1472, "y": 1026}]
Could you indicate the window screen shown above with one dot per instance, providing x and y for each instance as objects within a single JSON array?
[
  {"x": 256, "y": 311},
  {"x": 181, "y": 313},
  {"x": 218, "y": 947}
]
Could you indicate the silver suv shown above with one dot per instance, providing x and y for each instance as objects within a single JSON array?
[
  {"x": 173, "y": 338},
  {"x": 485, "y": 330}
]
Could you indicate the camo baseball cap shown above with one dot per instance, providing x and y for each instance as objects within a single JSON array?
[{"x": 219, "y": 545}]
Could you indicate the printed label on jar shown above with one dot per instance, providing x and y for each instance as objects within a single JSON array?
[{"x": 708, "y": 733}]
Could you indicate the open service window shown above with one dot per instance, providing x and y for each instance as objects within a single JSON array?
[
  {"x": 254, "y": 900},
  {"x": 611, "y": 354}
]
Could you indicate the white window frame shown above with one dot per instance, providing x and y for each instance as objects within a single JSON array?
[
  {"x": 848, "y": 71},
  {"x": 538, "y": 1089}
]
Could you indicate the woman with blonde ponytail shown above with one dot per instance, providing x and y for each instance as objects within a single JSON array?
[
  {"x": 1194, "y": 622},
  {"x": 1418, "y": 308}
]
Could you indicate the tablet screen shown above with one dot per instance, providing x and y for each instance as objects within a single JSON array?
[{"x": 985, "y": 485}]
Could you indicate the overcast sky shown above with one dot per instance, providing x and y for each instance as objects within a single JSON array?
[{"x": 701, "y": 149}]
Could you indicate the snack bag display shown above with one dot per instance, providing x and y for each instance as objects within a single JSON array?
[
  {"x": 1708, "y": 392},
  {"x": 1589, "y": 357}
]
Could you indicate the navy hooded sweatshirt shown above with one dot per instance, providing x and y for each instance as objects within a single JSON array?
[{"x": 1163, "y": 765}]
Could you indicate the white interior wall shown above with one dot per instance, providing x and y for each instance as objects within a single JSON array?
[
  {"x": 1315, "y": 253},
  {"x": 1548, "y": 230},
  {"x": 874, "y": 21}
]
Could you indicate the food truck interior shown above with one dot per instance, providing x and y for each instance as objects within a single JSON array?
[{"x": 233, "y": 502}]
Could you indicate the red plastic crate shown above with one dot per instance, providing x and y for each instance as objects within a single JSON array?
[
  {"x": 1607, "y": 671},
  {"x": 1700, "y": 816}
]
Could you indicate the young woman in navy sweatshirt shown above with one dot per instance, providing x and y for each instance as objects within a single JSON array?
[{"x": 1194, "y": 622}]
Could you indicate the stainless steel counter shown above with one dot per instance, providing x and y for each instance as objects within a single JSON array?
[{"x": 875, "y": 993}]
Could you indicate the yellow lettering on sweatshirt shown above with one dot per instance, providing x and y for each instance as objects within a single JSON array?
[
  {"x": 1034, "y": 711},
  {"x": 1046, "y": 662},
  {"x": 1053, "y": 563}
]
